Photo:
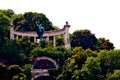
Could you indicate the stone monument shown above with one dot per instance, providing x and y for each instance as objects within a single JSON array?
[{"x": 40, "y": 29}]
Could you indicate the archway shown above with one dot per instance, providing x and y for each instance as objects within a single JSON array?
[
  {"x": 44, "y": 63},
  {"x": 41, "y": 67}
]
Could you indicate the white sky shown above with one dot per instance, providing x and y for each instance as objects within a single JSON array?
[{"x": 102, "y": 17}]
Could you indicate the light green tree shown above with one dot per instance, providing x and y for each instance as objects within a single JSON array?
[
  {"x": 109, "y": 61},
  {"x": 114, "y": 76},
  {"x": 19, "y": 76}
]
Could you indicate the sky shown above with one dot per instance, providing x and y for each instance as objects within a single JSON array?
[{"x": 101, "y": 17}]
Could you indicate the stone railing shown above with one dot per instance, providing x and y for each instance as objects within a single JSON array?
[{"x": 39, "y": 72}]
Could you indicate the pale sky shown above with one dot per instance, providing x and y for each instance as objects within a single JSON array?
[{"x": 102, "y": 17}]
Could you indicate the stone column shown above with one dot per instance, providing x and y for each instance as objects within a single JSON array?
[
  {"x": 66, "y": 36},
  {"x": 54, "y": 41},
  {"x": 35, "y": 40},
  {"x": 47, "y": 39},
  {"x": 11, "y": 31}
]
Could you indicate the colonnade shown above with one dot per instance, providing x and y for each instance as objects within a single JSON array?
[{"x": 32, "y": 34}]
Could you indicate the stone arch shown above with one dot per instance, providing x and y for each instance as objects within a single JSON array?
[
  {"x": 44, "y": 63},
  {"x": 41, "y": 72}
]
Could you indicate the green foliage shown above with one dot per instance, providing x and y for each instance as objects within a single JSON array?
[
  {"x": 77, "y": 64},
  {"x": 59, "y": 54},
  {"x": 107, "y": 45},
  {"x": 104, "y": 44},
  {"x": 81, "y": 55},
  {"x": 4, "y": 20},
  {"x": 9, "y": 53},
  {"x": 14, "y": 69},
  {"x": 27, "y": 71},
  {"x": 43, "y": 43},
  {"x": 9, "y": 13},
  {"x": 83, "y": 38},
  {"x": 74, "y": 64},
  {"x": 114, "y": 76},
  {"x": 4, "y": 28},
  {"x": 26, "y": 21},
  {"x": 24, "y": 45},
  {"x": 3, "y": 72},
  {"x": 12, "y": 53},
  {"x": 109, "y": 61},
  {"x": 66, "y": 75},
  {"x": 19, "y": 76},
  {"x": 55, "y": 71},
  {"x": 91, "y": 70},
  {"x": 59, "y": 41},
  {"x": 13, "y": 72}
]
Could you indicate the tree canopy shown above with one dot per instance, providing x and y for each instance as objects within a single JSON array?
[
  {"x": 89, "y": 59},
  {"x": 26, "y": 21},
  {"x": 83, "y": 38}
]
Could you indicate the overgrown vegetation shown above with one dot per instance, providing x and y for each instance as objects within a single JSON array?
[{"x": 89, "y": 58}]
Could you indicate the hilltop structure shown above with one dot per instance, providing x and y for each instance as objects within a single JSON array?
[{"x": 33, "y": 34}]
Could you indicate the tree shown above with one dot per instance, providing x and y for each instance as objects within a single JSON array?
[
  {"x": 9, "y": 13},
  {"x": 3, "y": 72},
  {"x": 4, "y": 28},
  {"x": 91, "y": 70},
  {"x": 109, "y": 61},
  {"x": 83, "y": 38},
  {"x": 26, "y": 21},
  {"x": 74, "y": 64},
  {"x": 114, "y": 76},
  {"x": 14, "y": 70},
  {"x": 60, "y": 54},
  {"x": 59, "y": 41},
  {"x": 104, "y": 44},
  {"x": 19, "y": 76},
  {"x": 27, "y": 71},
  {"x": 107, "y": 45}
]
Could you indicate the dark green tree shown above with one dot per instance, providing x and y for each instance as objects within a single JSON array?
[
  {"x": 83, "y": 38},
  {"x": 26, "y": 21},
  {"x": 27, "y": 71},
  {"x": 60, "y": 54},
  {"x": 4, "y": 28},
  {"x": 59, "y": 41},
  {"x": 14, "y": 70},
  {"x": 3, "y": 72},
  {"x": 9, "y": 13},
  {"x": 104, "y": 44},
  {"x": 107, "y": 45}
]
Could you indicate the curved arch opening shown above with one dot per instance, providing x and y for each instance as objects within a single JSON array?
[{"x": 44, "y": 63}]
